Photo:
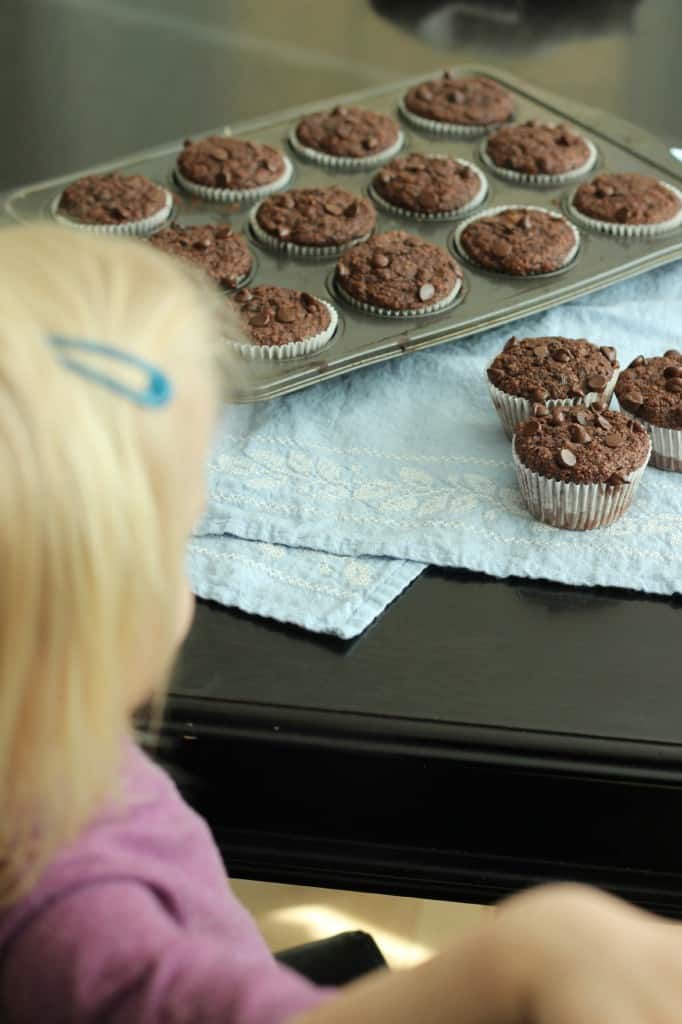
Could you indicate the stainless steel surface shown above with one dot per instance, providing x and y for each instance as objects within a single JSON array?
[{"x": 486, "y": 299}]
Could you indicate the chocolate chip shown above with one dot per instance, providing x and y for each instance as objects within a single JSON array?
[
  {"x": 261, "y": 319},
  {"x": 622, "y": 214},
  {"x": 617, "y": 480},
  {"x": 286, "y": 314},
  {"x": 599, "y": 406},
  {"x": 636, "y": 427},
  {"x": 203, "y": 243},
  {"x": 243, "y": 295},
  {"x": 603, "y": 423},
  {"x": 580, "y": 435},
  {"x": 562, "y": 355},
  {"x": 633, "y": 397},
  {"x": 428, "y": 199},
  {"x": 448, "y": 75},
  {"x": 351, "y": 210},
  {"x": 567, "y": 457},
  {"x": 344, "y": 130},
  {"x": 424, "y": 93},
  {"x": 510, "y": 342},
  {"x": 370, "y": 143},
  {"x": 334, "y": 209},
  {"x": 380, "y": 259},
  {"x": 495, "y": 374},
  {"x": 222, "y": 180},
  {"x": 674, "y": 385},
  {"x": 609, "y": 352},
  {"x": 613, "y": 440},
  {"x": 672, "y": 353},
  {"x": 583, "y": 418},
  {"x": 541, "y": 351},
  {"x": 456, "y": 96},
  {"x": 673, "y": 371},
  {"x": 557, "y": 417},
  {"x": 596, "y": 382},
  {"x": 426, "y": 292},
  {"x": 283, "y": 231},
  {"x": 576, "y": 393},
  {"x": 342, "y": 270},
  {"x": 541, "y": 411},
  {"x": 309, "y": 301},
  {"x": 637, "y": 361},
  {"x": 531, "y": 427},
  {"x": 526, "y": 223},
  {"x": 538, "y": 395},
  {"x": 340, "y": 111}
]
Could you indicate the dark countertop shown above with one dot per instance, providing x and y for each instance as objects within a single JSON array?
[{"x": 483, "y": 733}]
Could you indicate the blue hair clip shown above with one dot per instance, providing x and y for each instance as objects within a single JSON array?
[{"x": 158, "y": 391}]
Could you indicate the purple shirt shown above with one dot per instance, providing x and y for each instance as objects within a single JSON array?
[{"x": 135, "y": 923}]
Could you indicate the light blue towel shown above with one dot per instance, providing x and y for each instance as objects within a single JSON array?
[{"x": 407, "y": 460}]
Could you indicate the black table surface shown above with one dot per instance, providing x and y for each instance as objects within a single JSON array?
[{"x": 482, "y": 734}]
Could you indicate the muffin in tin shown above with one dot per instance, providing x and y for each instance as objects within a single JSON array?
[
  {"x": 313, "y": 222},
  {"x": 518, "y": 240},
  {"x": 347, "y": 137},
  {"x": 538, "y": 153},
  {"x": 217, "y": 249},
  {"x": 630, "y": 205},
  {"x": 451, "y": 105},
  {"x": 579, "y": 468},
  {"x": 127, "y": 204},
  {"x": 428, "y": 186},
  {"x": 224, "y": 169},
  {"x": 553, "y": 371},
  {"x": 282, "y": 323},
  {"x": 651, "y": 391},
  {"x": 397, "y": 274}
]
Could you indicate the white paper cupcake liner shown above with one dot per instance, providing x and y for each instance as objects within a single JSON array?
[
  {"x": 347, "y": 162},
  {"x": 236, "y": 195},
  {"x": 666, "y": 444},
  {"x": 290, "y": 348},
  {"x": 513, "y": 409},
  {"x": 318, "y": 252},
  {"x": 136, "y": 227},
  {"x": 366, "y": 307},
  {"x": 608, "y": 227},
  {"x": 490, "y": 212},
  {"x": 463, "y": 131},
  {"x": 572, "y": 506},
  {"x": 401, "y": 211},
  {"x": 540, "y": 179}
]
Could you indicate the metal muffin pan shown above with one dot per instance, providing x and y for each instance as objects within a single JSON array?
[{"x": 486, "y": 299}]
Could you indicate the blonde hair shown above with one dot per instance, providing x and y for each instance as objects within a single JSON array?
[{"x": 93, "y": 518}]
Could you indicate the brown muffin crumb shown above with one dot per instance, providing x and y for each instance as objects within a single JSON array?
[
  {"x": 520, "y": 241},
  {"x": 276, "y": 316},
  {"x": 540, "y": 369},
  {"x": 652, "y": 389},
  {"x": 222, "y": 162},
  {"x": 316, "y": 216},
  {"x": 348, "y": 132},
  {"x": 469, "y": 100},
  {"x": 537, "y": 148},
  {"x": 215, "y": 248},
  {"x": 627, "y": 199},
  {"x": 427, "y": 184},
  {"x": 111, "y": 199}
]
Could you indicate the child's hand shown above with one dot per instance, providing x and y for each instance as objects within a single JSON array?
[{"x": 578, "y": 956}]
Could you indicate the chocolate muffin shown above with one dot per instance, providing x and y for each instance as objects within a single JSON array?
[
  {"x": 579, "y": 468},
  {"x": 540, "y": 153},
  {"x": 229, "y": 170},
  {"x": 313, "y": 221},
  {"x": 554, "y": 371},
  {"x": 114, "y": 203},
  {"x": 216, "y": 248},
  {"x": 282, "y": 322},
  {"x": 347, "y": 137},
  {"x": 397, "y": 274},
  {"x": 651, "y": 390},
  {"x": 457, "y": 106},
  {"x": 518, "y": 240},
  {"x": 428, "y": 187},
  {"x": 627, "y": 205}
]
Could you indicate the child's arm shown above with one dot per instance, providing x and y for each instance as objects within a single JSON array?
[{"x": 556, "y": 955}]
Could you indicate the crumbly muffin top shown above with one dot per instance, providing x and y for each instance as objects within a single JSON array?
[
  {"x": 276, "y": 316},
  {"x": 397, "y": 270},
  {"x": 317, "y": 216},
  {"x": 520, "y": 241},
  {"x": 347, "y": 131},
  {"x": 537, "y": 148},
  {"x": 427, "y": 184},
  {"x": 539, "y": 369},
  {"x": 216, "y": 248},
  {"x": 111, "y": 199},
  {"x": 627, "y": 199},
  {"x": 582, "y": 445},
  {"x": 220, "y": 161},
  {"x": 652, "y": 389},
  {"x": 468, "y": 100}
]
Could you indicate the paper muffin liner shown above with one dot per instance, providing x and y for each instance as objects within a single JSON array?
[
  {"x": 490, "y": 212},
  {"x": 461, "y": 211},
  {"x": 571, "y": 506},
  {"x": 367, "y": 307},
  {"x": 666, "y": 444},
  {"x": 513, "y": 409},
  {"x": 318, "y": 252},
  {"x": 359, "y": 163},
  {"x": 609, "y": 227},
  {"x": 134, "y": 227},
  {"x": 518, "y": 177},
  {"x": 291, "y": 348},
  {"x": 236, "y": 195},
  {"x": 463, "y": 131}
]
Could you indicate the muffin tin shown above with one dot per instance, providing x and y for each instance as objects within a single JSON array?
[{"x": 485, "y": 300}]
